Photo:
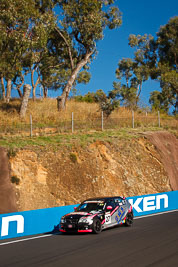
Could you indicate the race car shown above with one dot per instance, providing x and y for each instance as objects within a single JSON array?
[{"x": 96, "y": 214}]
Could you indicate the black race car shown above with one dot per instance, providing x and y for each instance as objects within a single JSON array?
[{"x": 96, "y": 214}]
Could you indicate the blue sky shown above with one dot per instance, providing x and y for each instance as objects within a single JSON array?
[{"x": 139, "y": 17}]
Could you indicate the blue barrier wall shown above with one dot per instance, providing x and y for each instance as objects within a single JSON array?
[
  {"x": 46, "y": 220},
  {"x": 155, "y": 203}
]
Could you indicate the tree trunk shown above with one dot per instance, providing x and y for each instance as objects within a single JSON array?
[
  {"x": 61, "y": 100},
  {"x": 8, "y": 91},
  {"x": 19, "y": 91},
  {"x": 45, "y": 92},
  {"x": 34, "y": 93},
  {"x": 34, "y": 85},
  {"x": 26, "y": 94},
  {"x": 139, "y": 89},
  {"x": 3, "y": 89},
  {"x": 19, "y": 86}
]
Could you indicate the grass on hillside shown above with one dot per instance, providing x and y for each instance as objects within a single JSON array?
[
  {"x": 87, "y": 116},
  {"x": 45, "y": 111},
  {"x": 70, "y": 140}
]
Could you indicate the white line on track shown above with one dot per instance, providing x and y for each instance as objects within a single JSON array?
[
  {"x": 25, "y": 239},
  {"x": 42, "y": 236},
  {"x": 154, "y": 214}
]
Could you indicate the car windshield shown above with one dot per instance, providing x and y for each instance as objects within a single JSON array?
[{"x": 91, "y": 206}]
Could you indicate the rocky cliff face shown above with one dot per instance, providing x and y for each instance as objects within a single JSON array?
[
  {"x": 67, "y": 176},
  {"x": 7, "y": 194}
]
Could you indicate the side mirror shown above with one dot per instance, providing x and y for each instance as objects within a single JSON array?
[{"x": 109, "y": 207}]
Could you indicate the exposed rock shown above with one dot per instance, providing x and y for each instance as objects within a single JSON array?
[
  {"x": 167, "y": 146},
  {"x": 7, "y": 194},
  {"x": 120, "y": 167}
]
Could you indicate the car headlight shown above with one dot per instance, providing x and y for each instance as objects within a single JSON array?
[
  {"x": 85, "y": 220},
  {"x": 63, "y": 220}
]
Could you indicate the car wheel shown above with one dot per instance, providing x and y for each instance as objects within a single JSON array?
[
  {"x": 96, "y": 226},
  {"x": 129, "y": 219}
]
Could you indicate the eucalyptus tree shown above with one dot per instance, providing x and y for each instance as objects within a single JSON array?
[
  {"x": 126, "y": 93},
  {"x": 159, "y": 101},
  {"x": 157, "y": 58},
  {"x": 141, "y": 66},
  {"x": 81, "y": 25},
  {"x": 55, "y": 67},
  {"x": 134, "y": 71},
  {"x": 24, "y": 29},
  {"x": 13, "y": 39},
  {"x": 167, "y": 61}
]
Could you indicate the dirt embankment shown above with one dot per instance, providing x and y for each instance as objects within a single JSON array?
[
  {"x": 7, "y": 194},
  {"x": 64, "y": 176},
  {"x": 167, "y": 146}
]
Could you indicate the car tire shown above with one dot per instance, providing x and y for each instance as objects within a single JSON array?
[
  {"x": 129, "y": 219},
  {"x": 96, "y": 227}
]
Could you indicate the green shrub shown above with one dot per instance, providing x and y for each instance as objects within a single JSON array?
[
  {"x": 15, "y": 180},
  {"x": 11, "y": 153},
  {"x": 73, "y": 157}
]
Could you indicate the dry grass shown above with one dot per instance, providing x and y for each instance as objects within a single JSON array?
[
  {"x": 45, "y": 111},
  {"x": 86, "y": 116}
]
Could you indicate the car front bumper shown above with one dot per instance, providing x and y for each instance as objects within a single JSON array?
[{"x": 79, "y": 227}]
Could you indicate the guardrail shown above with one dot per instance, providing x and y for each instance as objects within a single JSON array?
[{"x": 46, "y": 220}]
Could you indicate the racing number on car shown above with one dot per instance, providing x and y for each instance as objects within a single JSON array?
[{"x": 108, "y": 218}]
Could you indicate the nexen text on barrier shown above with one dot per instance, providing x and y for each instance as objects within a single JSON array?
[{"x": 150, "y": 203}]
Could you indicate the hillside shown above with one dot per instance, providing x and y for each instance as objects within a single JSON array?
[{"x": 53, "y": 175}]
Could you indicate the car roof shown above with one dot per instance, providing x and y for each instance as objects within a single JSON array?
[{"x": 101, "y": 198}]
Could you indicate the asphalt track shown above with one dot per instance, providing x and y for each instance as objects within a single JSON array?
[{"x": 151, "y": 241}]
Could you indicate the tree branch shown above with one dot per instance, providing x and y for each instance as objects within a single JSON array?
[{"x": 68, "y": 47}]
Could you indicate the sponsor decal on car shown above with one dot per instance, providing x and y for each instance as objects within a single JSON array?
[
  {"x": 78, "y": 213},
  {"x": 107, "y": 218},
  {"x": 94, "y": 201},
  {"x": 120, "y": 214}
]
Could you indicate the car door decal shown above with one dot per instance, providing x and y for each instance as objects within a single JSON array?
[
  {"x": 120, "y": 214},
  {"x": 107, "y": 218},
  {"x": 114, "y": 210},
  {"x": 108, "y": 215}
]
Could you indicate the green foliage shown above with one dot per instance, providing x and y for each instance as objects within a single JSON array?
[
  {"x": 88, "y": 98},
  {"x": 11, "y": 152},
  {"x": 167, "y": 50},
  {"x": 33, "y": 38},
  {"x": 24, "y": 31},
  {"x": 15, "y": 180},
  {"x": 127, "y": 95},
  {"x": 108, "y": 105},
  {"x": 83, "y": 77},
  {"x": 86, "y": 20},
  {"x": 158, "y": 59},
  {"x": 134, "y": 71},
  {"x": 167, "y": 43},
  {"x": 82, "y": 25},
  {"x": 125, "y": 67},
  {"x": 154, "y": 58},
  {"x": 73, "y": 157},
  {"x": 97, "y": 97},
  {"x": 159, "y": 101}
]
